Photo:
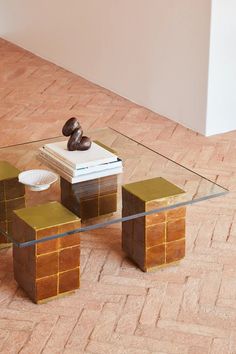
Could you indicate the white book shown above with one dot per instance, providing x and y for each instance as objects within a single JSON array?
[
  {"x": 84, "y": 177},
  {"x": 94, "y": 156},
  {"x": 81, "y": 171}
]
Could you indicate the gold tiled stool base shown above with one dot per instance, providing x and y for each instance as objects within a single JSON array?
[
  {"x": 90, "y": 199},
  {"x": 154, "y": 240},
  {"x": 6, "y": 227},
  {"x": 151, "y": 246},
  {"x": 51, "y": 268},
  {"x": 12, "y": 196}
]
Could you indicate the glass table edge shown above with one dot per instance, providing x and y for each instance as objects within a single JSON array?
[
  {"x": 121, "y": 219},
  {"x": 110, "y": 222},
  {"x": 135, "y": 141},
  {"x": 169, "y": 159}
]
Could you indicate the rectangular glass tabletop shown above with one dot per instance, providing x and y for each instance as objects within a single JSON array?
[{"x": 139, "y": 164}]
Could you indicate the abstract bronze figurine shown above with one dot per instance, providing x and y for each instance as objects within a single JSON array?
[{"x": 76, "y": 141}]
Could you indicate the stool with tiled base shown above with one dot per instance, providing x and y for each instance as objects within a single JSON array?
[
  {"x": 51, "y": 268},
  {"x": 90, "y": 199},
  {"x": 153, "y": 240},
  {"x": 12, "y": 196}
]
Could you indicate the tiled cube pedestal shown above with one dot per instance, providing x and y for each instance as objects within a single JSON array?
[
  {"x": 12, "y": 196},
  {"x": 51, "y": 268},
  {"x": 92, "y": 198},
  {"x": 154, "y": 240}
]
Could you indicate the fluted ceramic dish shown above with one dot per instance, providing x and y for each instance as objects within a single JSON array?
[{"x": 37, "y": 180}]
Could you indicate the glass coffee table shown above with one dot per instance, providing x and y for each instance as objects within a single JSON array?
[{"x": 149, "y": 198}]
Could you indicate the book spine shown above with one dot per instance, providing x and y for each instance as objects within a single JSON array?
[
  {"x": 55, "y": 169},
  {"x": 90, "y": 176},
  {"x": 74, "y": 173},
  {"x": 57, "y": 163},
  {"x": 75, "y": 165},
  {"x": 58, "y": 156},
  {"x": 82, "y": 178}
]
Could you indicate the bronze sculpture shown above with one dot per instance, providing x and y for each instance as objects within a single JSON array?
[{"x": 76, "y": 141}]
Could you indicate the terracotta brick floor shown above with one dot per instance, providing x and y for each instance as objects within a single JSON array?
[{"x": 189, "y": 309}]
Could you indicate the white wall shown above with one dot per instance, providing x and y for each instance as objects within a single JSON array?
[
  {"x": 221, "y": 112},
  {"x": 154, "y": 52}
]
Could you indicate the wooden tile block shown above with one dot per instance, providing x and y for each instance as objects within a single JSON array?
[
  {"x": 47, "y": 264},
  {"x": 37, "y": 268},
  {"x": 2, "y": 193},
  {"x": 131, "y": 204},
  {"x": 70, "y": 226},
  {"x": 108, "y": 185},
  {"x": 175, "y": 251},
  {"x": 89, "y": 208},
  {"x": 69, "y": 258},
  {"x": 86, "y": 190},
  {"x": 139, "y": 256},
  {"x": 71, "y": 203},
  {"x": 155, "y": 256},
  {"x": 139, "y": 231},
  {"x": 11, "y": 197},
  {"x": 176, "y": 213},
  {"x": 127, "y": 237},
  {"x": 46, "y": 287},
  {"x": 5, "y": 242},
  {"x": 3, "y": 211},
  {"x": 147, "y": 239},
  {"x": 25, "y": 279},
  {"x": 10, "y": 188},
  {"x": 175, "y": 230},
  {"x": 12, "y": 205},
  {"x": 151, "y": 205},
  {"x": 9, "y": 227},
  {"x": 47, "y": 247},
  {"x": 3, "y": 226},
  {"x": 3, "y": 239},
  {"x": 69, "y": 280},
  {"x": 90, "y": 199},
  {"x": 13, "y": 189},
  {"x": 22, "y": 232},
  {"x": 153, "y": 190},
  {"x": 7, "y": 171},
  {"x": 157, "y": 218},
  {"x": 80, "y": 191},
  {"x": 47, "y": 216},
  {"x": 25, "y": 257},
  {"x": 45, "y": 232},
  {"x": 155, "y": 235},
  {"x": 107, "y": 204},
  {"x": 69, "y": 240}
]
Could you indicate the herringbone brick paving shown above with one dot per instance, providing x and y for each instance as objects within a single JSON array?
[{"x": 187, "y": 309}]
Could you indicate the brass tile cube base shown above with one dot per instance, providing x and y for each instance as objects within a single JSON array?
[
  {"x": 158, "y": 239},
  {"x": 12, "y": 196},
  {"x": 92, "y": 198},
  {"x": 51, "y": 268},
  {"x": 6, "y": 227}
]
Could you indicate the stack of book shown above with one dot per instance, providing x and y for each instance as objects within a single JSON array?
[{"x": 78, "y": 166}]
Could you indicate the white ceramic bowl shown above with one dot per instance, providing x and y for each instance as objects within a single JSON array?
[{"x": 37, "y": 180}]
